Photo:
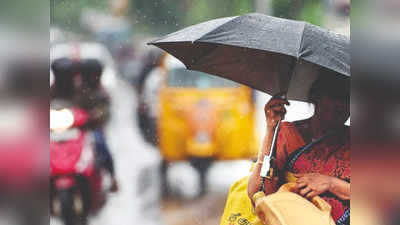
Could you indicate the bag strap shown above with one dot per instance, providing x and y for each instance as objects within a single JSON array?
[
  {"x": 314, "y": 142},
  {"x": 302, "y": 149},
  {"x": 295, "y": 154}
]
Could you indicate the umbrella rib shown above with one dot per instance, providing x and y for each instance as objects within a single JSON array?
[
  {"x": 210, "y": 52},
  {"x": 232, "y": 18},
  {"x": 301, "y": 41}
]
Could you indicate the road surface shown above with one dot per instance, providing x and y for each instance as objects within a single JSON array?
[{"x": 136, "y": 163}]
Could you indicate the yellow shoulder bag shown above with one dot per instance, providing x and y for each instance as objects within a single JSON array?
[{"x": 238, "y": 208}]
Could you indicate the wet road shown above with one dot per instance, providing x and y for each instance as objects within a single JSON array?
[
  {"x": 208, "y": 209},
  {"x": 136, "y": 162}
]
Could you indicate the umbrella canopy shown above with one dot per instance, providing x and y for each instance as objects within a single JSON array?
[{"x": 270, "y": 54}]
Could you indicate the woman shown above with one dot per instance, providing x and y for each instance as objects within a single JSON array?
[{"x": 324, "y": 169}]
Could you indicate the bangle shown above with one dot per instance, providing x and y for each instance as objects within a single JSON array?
[{"x": 259, "y": 162}]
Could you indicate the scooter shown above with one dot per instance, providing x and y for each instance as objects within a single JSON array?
[{"x": 77, "y": 185}]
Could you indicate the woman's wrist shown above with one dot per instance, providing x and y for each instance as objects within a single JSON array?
[
  {"x": 259, "y": 162},
  {"x": 265, "y": 147},
  {"x": 339, "y": 188},
  {"x": 260, "y": 159},
  {"x": 331, "y": 184},
  {"x": 262, "y": 154},
  {"x": 270, "y": 128}
]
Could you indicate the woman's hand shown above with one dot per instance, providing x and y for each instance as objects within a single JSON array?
[
  {"x": 313, "y": 184},
  {"x": 275, "y": 111}
]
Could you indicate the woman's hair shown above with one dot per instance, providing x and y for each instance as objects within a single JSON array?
[{"x": 331, "y": 84}]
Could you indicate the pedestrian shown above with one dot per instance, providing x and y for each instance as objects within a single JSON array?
[{"x": 322, "y": 170}]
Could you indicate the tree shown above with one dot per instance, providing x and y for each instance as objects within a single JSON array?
[
  {"x": 66, "y": 13},
  {"x": 162, "y": 16},
  {"x": 307, "y": 10}
]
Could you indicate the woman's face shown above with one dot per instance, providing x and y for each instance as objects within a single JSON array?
[{"x": 333, "y": 111}]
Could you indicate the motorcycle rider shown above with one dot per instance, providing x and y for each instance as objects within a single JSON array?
[
  {"x": 65, "y": 73},
  {"x": 92, "y": 97},
  {"x": 88, "y": 96}
]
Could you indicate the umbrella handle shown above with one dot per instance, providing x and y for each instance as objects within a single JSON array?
[{"x": 266, "y": 169}]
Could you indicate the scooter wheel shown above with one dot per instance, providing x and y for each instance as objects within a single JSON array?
[{"x": 69, "y": 211}]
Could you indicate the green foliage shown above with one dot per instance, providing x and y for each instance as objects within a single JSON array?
[
  {"x": 284, "y": 8},
  {"x": 163, "y": 16},
  {"x": 154, "y": 16},
  {"x": 312, "y": 12},
  {"x": 157, "y": 16},
  {"x": 24, "y": 13},
  {"x": 307, "y": 10},
  {"x": 203, "y": 10},
  {"x": 66, "y": 13}
]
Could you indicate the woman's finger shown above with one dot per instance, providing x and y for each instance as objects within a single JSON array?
[
  {"x": 280, "y": 97},
  {"x": 278, "y": 110},
  {"x": 275, "y": 101},
  {"x": 276, "y": 115},
  {"x": 311, "y": 194},
  {"x": 298, "y": 174},
  {"x": 301, "y": 180},
  {"x": 276, "y": 104},
  {"x": 304, "y": 191},
  {"x": 300, "y": 185}
]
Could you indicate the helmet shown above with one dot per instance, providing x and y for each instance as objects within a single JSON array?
[
  {"x": 91, "y": 71},
  {"x": 64, "y": 71},
  {"x": 64, "y": 67}
]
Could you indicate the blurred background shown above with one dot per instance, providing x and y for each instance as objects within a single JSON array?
[
  {"x": 178, "y": 140},
  {"x": 24, "y": 63},
  {"x": 163, "y": 162}
]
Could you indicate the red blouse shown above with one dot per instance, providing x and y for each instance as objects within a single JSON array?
[{"x": 329, "y": 157}]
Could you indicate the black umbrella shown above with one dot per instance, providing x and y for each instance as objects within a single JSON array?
[{"x": 270, "y": 54}]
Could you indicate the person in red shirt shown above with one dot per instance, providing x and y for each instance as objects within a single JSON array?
[
  {"x": 323, "y": 169},
  {"x": 93, "y": 98}
]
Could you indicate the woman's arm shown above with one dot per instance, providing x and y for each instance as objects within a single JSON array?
[
  {"x": 274, "y": 112},
  {"x": 313, "y": 184},
  {"x": 255, "y": 179},
  {"x": 340, "y": 188}
]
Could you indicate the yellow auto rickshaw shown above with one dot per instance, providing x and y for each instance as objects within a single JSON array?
[{"x": 204, "y": 118}]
